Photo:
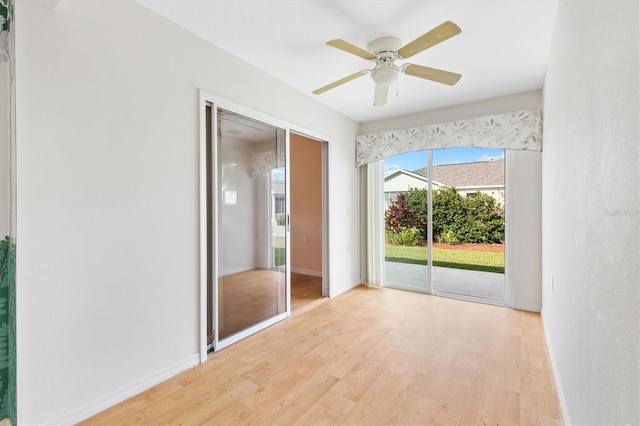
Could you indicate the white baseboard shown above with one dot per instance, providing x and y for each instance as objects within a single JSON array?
[
  {"x": 531, "y": 307},
  {"x": 556, "y": 378},
  {"x": 126, "y": 392},
  {"x": 306, "y": 272},
  {"x": 236, "y": 270}
]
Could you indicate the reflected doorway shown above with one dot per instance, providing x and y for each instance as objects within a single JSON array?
[{"x": 307, "y": 220}]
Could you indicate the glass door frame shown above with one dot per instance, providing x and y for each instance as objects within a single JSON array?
[
  {"x": 461, "y": 296},
  {"x": 376, "y": 224},
  {"x": 216, "y": 103},
  {"x": 429, "y": 284},
  {"x": 208, "y": 99}
]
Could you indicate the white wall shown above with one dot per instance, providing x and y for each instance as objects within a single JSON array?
[
  {"x": 240, "y": 222},
  {"x": 591, "y": 210},
  {"x": 107, "y": 265},
  {"x": 518, "y": 101}
]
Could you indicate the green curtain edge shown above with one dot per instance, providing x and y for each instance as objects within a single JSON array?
[{"x": 7, "y": 330}]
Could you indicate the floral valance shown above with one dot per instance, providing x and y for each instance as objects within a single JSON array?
[
  {"x": 263, "y": 162},
  {"x": 519, "y": 130}
]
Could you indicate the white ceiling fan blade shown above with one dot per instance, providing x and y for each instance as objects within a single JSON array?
[{"x": 380, "y": 97}]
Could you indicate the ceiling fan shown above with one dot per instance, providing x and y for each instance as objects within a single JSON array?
[{"x": 383, "y": 52}]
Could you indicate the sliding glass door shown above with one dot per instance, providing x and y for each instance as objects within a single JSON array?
[
  {"x": 406, "y": 222},
  {"x": 444, "y": 223},
  {"x": 469, "y": 224},
  {"x": 249, "y": 226},
  {"x": 246, "y": 221}
]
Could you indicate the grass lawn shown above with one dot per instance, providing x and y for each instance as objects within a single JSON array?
[
  {"x": 278, "y": 250},
  {"x": 459, "y": 259},
  {"x": 278, "y": 256}
]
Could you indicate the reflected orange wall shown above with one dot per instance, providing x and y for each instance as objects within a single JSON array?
[{"x": 306, "y": 204}]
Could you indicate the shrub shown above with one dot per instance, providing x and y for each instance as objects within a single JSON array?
[
  {"x": 399, "y": 216},
  {"x": 448, "y": 212},
  {"x": 416, "y": 201},
  {"x": 404, "y": 237},
  {"x": 456, "y": 219},
  {"x": 280, "y": 218},
  {"x": 448, "y": 236},
  {"x": 485, "y": 220}
]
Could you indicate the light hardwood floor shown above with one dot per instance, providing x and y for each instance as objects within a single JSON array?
[{"x": 369, "y": 356}]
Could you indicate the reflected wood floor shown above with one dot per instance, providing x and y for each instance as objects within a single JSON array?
[
  {"x": 369, "y": 356},
  {"x": 304, "y": 290},
  {"x": 249, "y": 297},
  {"x": 256, "y": 295}
]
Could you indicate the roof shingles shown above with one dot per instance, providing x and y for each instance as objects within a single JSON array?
[{"x": 483, "y": 173}]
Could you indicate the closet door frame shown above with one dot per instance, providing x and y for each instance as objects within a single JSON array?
[{"x": 215, "y": 101}]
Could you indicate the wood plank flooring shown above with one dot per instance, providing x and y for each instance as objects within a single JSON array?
[{"x": 370, "y": 356}]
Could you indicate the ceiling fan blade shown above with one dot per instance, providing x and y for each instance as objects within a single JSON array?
[
  {"x": 380, "y": 97},
  {"x": 437, "y": 35},
  {"x": 350, "y": 48},
  {"x": 339, "y": 82},
  {"x": 433, "y": 74}
]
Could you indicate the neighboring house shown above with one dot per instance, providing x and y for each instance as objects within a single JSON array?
[
  {"x": 468, "y": 179},
  {"x": 401, "y": 180}
]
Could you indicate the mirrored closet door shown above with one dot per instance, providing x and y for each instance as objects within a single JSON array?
[{"x": 248, "y": 226}]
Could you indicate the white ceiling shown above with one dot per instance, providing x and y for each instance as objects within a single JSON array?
[
  {"x": 502, "y": 49},
  {"x": 243, "y": 129}
]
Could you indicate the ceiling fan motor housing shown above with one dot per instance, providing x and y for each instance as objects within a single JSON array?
[
  {"x": 385, "y": 45},
  {"x": 385, "y": 48}
]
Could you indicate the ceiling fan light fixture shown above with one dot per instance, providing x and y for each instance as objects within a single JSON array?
[{"x": 384, "y": 76}]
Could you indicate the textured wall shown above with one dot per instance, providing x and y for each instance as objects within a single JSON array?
[
  {"x": 108, "y": 172},
  {"x": 591, "y": 200}
]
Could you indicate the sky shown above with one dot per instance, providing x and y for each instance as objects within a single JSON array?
[{"x": 416, "y": 160}]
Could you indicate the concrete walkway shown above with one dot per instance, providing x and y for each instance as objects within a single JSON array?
[{"x": 485, "y": 285}]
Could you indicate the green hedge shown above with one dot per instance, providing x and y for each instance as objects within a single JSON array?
[{"x": 456, "y": 219}]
